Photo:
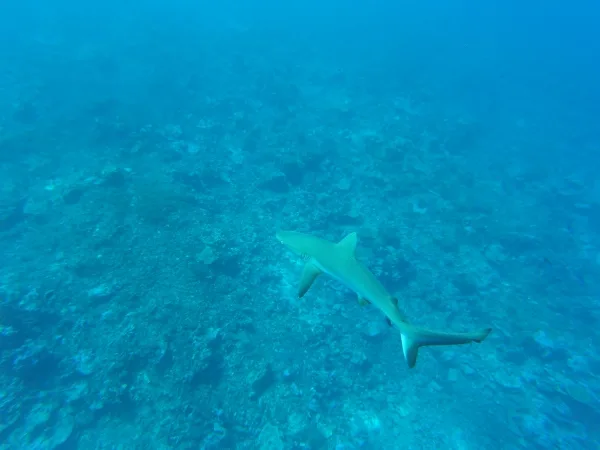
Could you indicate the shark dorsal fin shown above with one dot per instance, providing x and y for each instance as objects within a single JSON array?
[{"x": 348, "y": 244}]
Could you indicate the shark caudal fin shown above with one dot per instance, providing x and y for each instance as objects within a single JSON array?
[{"x": 413, "y": 338}]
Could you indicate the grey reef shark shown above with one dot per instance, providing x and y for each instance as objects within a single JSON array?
[{"x": 339, "y": 261}]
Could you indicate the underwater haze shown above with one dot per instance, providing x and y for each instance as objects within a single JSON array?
[{"x": 151, "y": 150}]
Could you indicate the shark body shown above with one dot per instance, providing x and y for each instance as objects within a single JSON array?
[{"x": 338, "y": 260}]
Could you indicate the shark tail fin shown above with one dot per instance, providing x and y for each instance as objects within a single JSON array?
[{"x": 413, "y": 338}]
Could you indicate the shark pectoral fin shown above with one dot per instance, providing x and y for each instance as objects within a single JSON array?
[
  {"x": 363, "y": 301},
  {"x": 309, "y": 275},
  {"x": 413, "y": 338},
  {"x": 348, "y": 244}
]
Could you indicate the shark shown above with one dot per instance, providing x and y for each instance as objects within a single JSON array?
[{"x": 338, "y": 260}]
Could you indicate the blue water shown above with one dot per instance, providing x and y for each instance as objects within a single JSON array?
[{"x": 149, "y": 151}]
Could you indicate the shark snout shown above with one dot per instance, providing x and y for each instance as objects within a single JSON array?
[
  {"x": 285, "y": 237},
  {"x": 292, "y": 240}
]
